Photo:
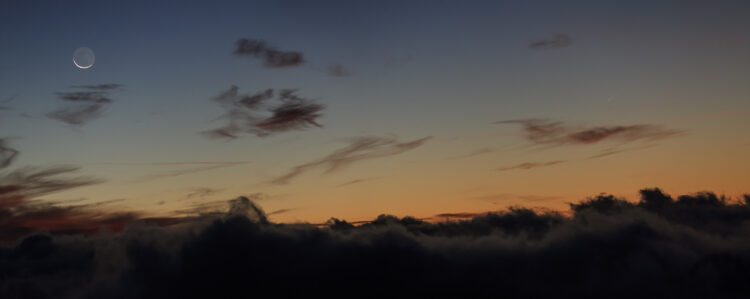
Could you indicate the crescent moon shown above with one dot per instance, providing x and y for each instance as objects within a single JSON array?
[
  {"x": 83, "y": 58},
  {"x": 80, "y": 66}
]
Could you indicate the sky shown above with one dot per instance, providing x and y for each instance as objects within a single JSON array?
[{"x": 352, "y": 109}]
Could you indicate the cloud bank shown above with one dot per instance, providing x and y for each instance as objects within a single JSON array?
[{"x": 694, "y": 246}]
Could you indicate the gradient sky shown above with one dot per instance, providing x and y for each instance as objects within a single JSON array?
[{"x": 448, "y": 70}]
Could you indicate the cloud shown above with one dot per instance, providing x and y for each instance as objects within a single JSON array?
[
  {"x": 252, "y": 114},
  {"x": 337, "y": 70},
  {"x": 271, "y": 56},
  {"x": 691, "y": 247},
  {"x": 105, "y": 86},
  {"x": 496, "y": 198},
  {"x": 359, "y": 148},
  {"x": 96, "y": 97},
  {"x": 7, "y": 154},
  {"x": 352, "y": 182},
  {"x": 89, "y": 105},
  {"x": 177, "y": 163},
  {"x": 77, "y": 115},
  {"x": 202, "y": 192},
  {"x": 554, "y": 42},
  {"x": 530, "y": 165},
  {"x": 280, "y": 211},
  {"x": 20, "y": 213},
  {"x": 179, "y": 172},
  {"x": 477, "y": 152},
  {"x": 543, "y": 131}
]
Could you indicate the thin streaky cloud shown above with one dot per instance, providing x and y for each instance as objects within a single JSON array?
[
  {"x": 359, "y": 148},
  {"x": 555, "y": 133},
  {"x": 180, "y": 172},
  {"x": 530, "y": 165},
  {"x": 556, "y": 41}
]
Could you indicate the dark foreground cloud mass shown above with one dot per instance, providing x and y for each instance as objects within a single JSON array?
[
  {"x": 694, "y": 246},
  {"x": 253, "y": 114},
  {"x": 271, "y": 56}
]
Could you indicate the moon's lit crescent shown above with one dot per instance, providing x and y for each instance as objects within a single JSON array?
[{"x": 80, "y": 66}]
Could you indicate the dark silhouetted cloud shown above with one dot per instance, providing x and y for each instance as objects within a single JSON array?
[
  {"x": 20, "y": 213},
  {"x": 530, "y": 165},
  {"x": 454, "y": 216},
  {"x": 252, "y": 114},
  {"x": 543, "y": 131},
  {"x": 337, "y": 70},
  {"x": 89, "y": 104},
  {"x": 359, "y": 148},
  {"x": 96, "y": 97},
  {"x": 693, "y": 247},
  {"x": 105, "y": 86},
  {"x": 271, "y": 56},
  {"x": 7, "y": 154},
  {"x": 554, "y": 42}
]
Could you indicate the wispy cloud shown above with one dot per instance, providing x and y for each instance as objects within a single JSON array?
[
  {"x": 105, "y": 86},
  {"x": 180, "y": 172},
  {"x": 271, "y": 56},
  {"x": 359, "y": 148},
  {"x": 554, "y": 42},
  {"x": 202, "y": 192},
  {"x": 252, "y": 114},
  {"x": 176, "y": 163},
  {"x": 7, "y": 153},
  {"x": 543, "y": 131},
  {"x": 530, "y": 165},
  {"x": 89, "y": 105},
  {"x": 352, "y": 182},
  {"x": 502, "y": 197},
  {"x": 337, "y": 70},
  {"x": 280, "y": 211}
]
